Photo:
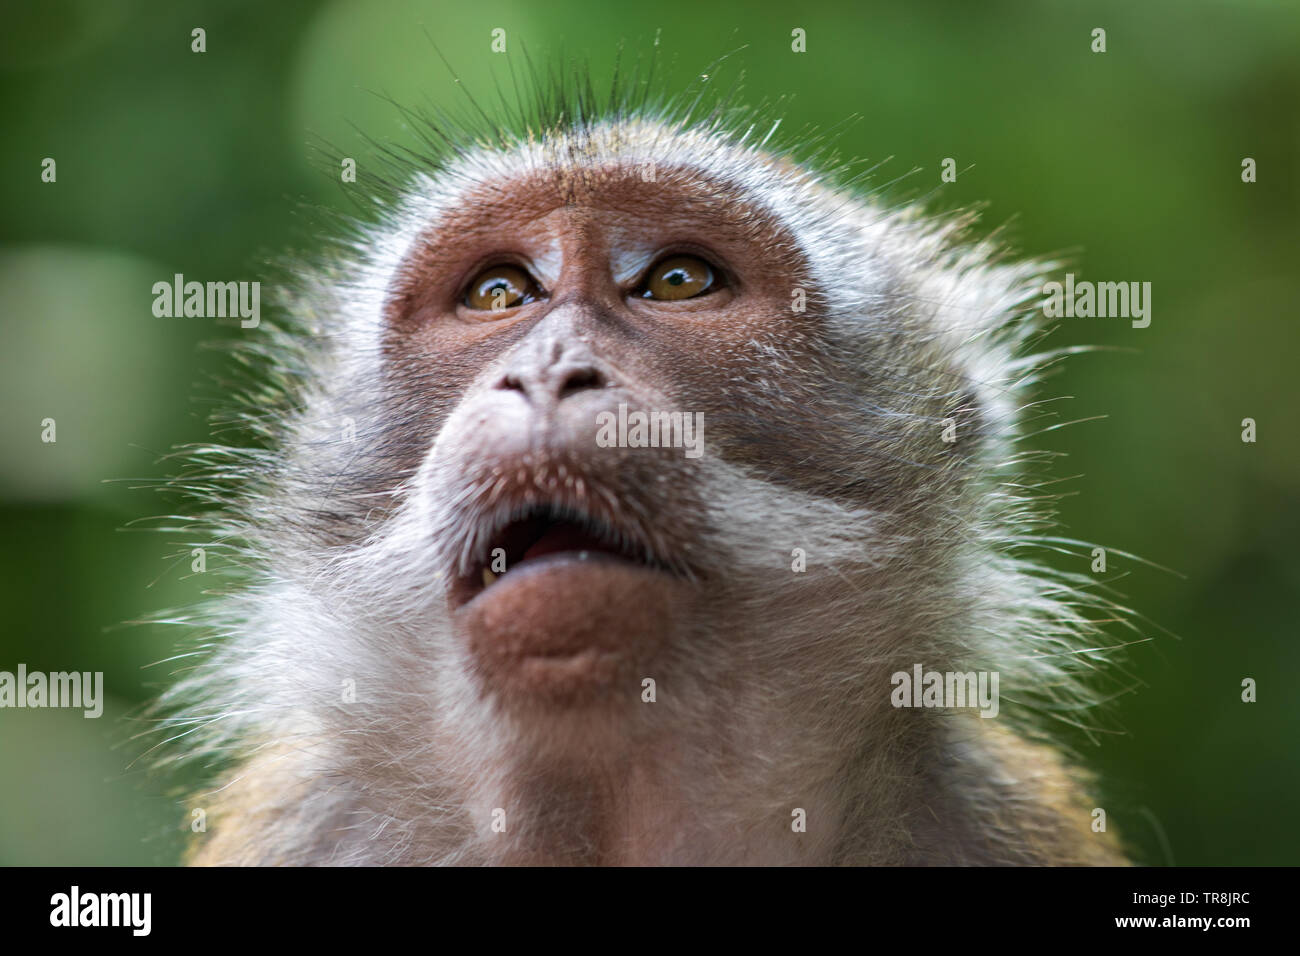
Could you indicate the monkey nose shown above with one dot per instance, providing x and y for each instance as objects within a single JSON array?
[{"x": 553, "y": 383}]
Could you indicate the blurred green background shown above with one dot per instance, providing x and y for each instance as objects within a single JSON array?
[{"x": 1128, "y": 161}]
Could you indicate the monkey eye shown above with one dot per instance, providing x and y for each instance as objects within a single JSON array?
[
  {"x": 501, "y": 287},
  {"x": 679, "y": 277}
]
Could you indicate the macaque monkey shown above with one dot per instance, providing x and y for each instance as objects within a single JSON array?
[{"x": 608, "y": 486}]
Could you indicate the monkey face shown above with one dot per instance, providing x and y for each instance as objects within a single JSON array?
[
  {"x": 531, "y": 326},
  {"x": 518, "y": 308}
]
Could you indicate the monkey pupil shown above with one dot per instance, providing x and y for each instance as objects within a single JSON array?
[{"x": 676, "y": 278}]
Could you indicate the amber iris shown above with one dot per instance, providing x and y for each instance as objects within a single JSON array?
[
  {"x": 679, "y": 277},
  {"x": 500, "y": 288}
]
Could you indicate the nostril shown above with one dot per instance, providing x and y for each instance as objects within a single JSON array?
[
  {"x": 580, "y": 379},
  {"x": 553, "y": 384}
]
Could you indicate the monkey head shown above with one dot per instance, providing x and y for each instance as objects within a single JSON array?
[
  {"x": 526, "y": 298},
  {"x": 662, "y": 453}
]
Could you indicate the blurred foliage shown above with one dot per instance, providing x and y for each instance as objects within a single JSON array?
[{"x": 1126, "y": 163}]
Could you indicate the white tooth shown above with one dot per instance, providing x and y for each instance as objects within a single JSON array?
[
  {"x": 488, "y": 577},
  {"x": 582, "y": 555}
]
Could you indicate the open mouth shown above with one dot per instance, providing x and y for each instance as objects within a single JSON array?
[{"x": 548, "y": 533}]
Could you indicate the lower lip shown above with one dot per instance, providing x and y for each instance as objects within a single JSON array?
[{"x": 565, "y": 627}]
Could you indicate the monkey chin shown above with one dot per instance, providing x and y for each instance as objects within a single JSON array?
[{"x": 570, "y": 631}]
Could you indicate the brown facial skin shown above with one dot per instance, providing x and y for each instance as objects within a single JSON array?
[{"x": 515, "y": 394}]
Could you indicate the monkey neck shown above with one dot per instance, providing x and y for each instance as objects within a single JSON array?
[
  {"x": 946, "y": 791},
  {"x": 714, "y": 793},
  {"x": 910, "y": 792},
  {"x": 653, "y": 807}
]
